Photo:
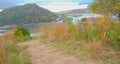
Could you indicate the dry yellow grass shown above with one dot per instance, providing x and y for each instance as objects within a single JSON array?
[
  {"x": 10, "y": 51},
  {"x": 55, "y": 31}
]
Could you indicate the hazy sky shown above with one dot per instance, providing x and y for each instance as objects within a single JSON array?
[
  {"x": 17, "y": 1},
  {"x": 81, "y": 1},
  {"x": 7, "y": 3}
]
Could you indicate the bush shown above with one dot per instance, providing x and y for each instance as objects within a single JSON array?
[
  {"x": 21, "y": 34},
  {"x": 10, "y": 52}
]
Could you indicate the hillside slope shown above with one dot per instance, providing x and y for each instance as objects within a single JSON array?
[{"x": 25, "y": 14}]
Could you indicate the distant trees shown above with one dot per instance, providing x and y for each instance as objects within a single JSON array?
[
  {"x": 24, "y": 14},
  {"x": 106, "y": 7}
]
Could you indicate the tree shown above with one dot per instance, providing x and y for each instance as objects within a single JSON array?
[{"x": 106, "y": 7}]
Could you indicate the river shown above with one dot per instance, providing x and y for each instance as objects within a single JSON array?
[
  {"x": 5, "y": 29},
  {"x": 87, "y": 15}
]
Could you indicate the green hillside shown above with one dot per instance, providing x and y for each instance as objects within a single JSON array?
[{"x": 25, "y": 14}]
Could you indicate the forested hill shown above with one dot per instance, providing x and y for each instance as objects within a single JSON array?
[{"x": 25, "y": 14}]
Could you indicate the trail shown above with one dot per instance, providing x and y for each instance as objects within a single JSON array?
[{"x": 44, "y": 54}]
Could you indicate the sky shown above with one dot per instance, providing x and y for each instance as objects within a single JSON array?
[
  {"x": 8, "y": 3},
  {"x": 4, "y": 2},
  {"x": 80, "y": 1}
]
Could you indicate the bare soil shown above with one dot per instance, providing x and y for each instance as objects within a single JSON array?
[{"x": 44, "y": 54}]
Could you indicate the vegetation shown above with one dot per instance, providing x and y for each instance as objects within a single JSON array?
[
  {"x": 10, "y": 52},
  {"x": 21, "y": 34},
  {"x": 106, "y": 7},
  {"x": 94, "y": 42},
  {"x": 54, "y": 32},
  {"x": 25, "y": 14},
  {"x": 88, "y": 41}
]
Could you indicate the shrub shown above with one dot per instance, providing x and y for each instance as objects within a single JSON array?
[
  {"x": 70, "y": 25},
  {"x": 21, "y": 34},
  {"x": 73, "y": 32},
  {"x": 83, "y": 19},
  {"x": 10, "y": 52}
]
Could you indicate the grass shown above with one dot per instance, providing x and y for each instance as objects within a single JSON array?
[
  {"x": 54, "y": 31},
  {"x": 10, "y": 52},
  {"x": 96, "y": 42},
  {"x": 86, "y": 51}
]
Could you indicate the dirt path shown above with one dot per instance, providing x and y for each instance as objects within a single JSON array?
[{"x": 43, "y": 54}]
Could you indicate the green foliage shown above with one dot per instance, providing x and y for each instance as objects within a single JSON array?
[
  {"x": 106, "y": 7},
  {"x": 24, "y": 14},
  {"x": 105, "y": 31},
  {"x": 91, "y": 33},
  {"x": 71, "y": 26},
  {"x": 21, "y": 34},
  {"x": 72, "y": 30},
  {"x": 112, "y": 35}
]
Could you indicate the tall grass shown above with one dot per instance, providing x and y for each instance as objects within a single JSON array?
[
  {"x": 55, "y": 31},
  {"x": 10, "y": 52},
  {"x": 98, "y": 40}
]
